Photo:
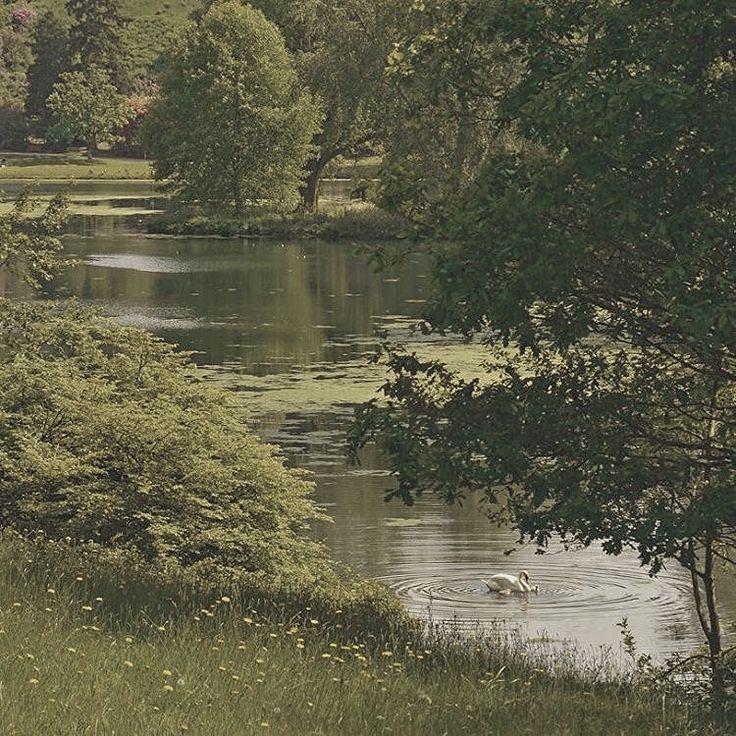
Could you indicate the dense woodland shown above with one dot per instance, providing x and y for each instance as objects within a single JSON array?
[{"x": 570, "y": 170}]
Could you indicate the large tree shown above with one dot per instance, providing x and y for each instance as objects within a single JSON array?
[
  {"x": 340, "y": 49},
  {"x": 599, "y": 243},
  {"x": 96, "y": 39},
  {"x": 231, "y": 125},
  {"x": 444, "y": 77},
  {"x": 87, "y": 106},
  {"x": 51, "y": 57}
]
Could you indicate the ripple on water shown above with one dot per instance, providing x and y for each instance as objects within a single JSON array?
[{"x": 583, "y": 595}]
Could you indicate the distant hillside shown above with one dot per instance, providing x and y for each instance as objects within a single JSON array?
[{"x": 151, "y": 23}]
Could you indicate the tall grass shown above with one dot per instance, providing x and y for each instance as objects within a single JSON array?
[{"x": 121, "y": 653}]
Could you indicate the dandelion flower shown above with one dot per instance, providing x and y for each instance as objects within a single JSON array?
[
  {"x": 167, "y": 673},
  {"x": 169, "y": 688}
]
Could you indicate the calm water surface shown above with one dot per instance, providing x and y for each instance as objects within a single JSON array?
[{"x": 291, "y": 328}]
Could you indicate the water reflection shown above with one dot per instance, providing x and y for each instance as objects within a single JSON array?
[{"x": 290, "y": 328}]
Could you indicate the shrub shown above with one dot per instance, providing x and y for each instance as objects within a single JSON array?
[
  {"x": 107, "y": 437},
  {"x": 13, "y": 127}
]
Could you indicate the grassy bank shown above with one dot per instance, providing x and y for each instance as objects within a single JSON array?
[
  {"x": 132, "y": 653},
  {"x": 360, "y": 222},
  {"x": 68, "y": 166}
]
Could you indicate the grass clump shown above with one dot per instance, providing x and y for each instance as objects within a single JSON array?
[{"x": 93, "y": 642}]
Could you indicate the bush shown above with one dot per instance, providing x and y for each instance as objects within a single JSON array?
[
  {"x": 13, "y": 127},
  {"x": 106, "y": 437}
]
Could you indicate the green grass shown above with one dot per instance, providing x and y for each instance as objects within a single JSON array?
[
  {"x": 121, "y": 653},
  {"x": 354, "y": 222},
  {"x": 68, "y": 166}
]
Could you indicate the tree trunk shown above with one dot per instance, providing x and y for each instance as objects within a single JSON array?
[
  {"x": 709, "y": 619},
  {"x": 310, "y": 190},
  {"x": 715, "y": 644}
]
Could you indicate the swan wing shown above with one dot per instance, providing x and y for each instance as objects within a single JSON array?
[{"x": 502, "y": 581}]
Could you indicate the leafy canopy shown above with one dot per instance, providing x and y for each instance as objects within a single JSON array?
[
  {"x": 231, "y": 125},
  {"x": 596, "y": 242},
  {"x": 87, "y": 106}
]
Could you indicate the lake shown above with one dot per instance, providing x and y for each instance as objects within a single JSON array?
[{"x": 290, "y": 328}]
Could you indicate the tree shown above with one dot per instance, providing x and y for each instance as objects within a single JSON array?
[
  {"x": 96, "y": 39},
  {"x": 600, "y": 244},
  {"x": 15, "y": 57},
  {"x": 340, "y": 50},
  {"x": 87, "y": 106},
  {"x": 231, "y": 124},
  {"x": 106, "y": 437},
  {"x": 51, "y": 57},
  {"x": 445, "y": 75}
]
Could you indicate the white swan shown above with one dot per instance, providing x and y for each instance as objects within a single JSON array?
[{"x": 505, "y": 583}]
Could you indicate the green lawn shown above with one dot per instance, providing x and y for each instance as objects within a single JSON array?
[{"x": 67, "y": 166}]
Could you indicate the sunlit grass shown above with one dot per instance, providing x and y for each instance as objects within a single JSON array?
[
  {"x": 78, "y": 651},
  {"x": 71, "y": 166}
]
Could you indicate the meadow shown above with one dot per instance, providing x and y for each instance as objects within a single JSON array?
[{"x": 133, "y": 652}]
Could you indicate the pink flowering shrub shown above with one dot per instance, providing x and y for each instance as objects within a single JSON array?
[
  {"x": 22, "y": 17},
  {"x": 128, "y": 143}
]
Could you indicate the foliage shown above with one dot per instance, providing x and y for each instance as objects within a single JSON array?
[
  {"x": 29, "y": 247},
  {"x": 87, "y": 106},
  {"x": 445, "y": 75},
  {"x": 231, "y": 125},
  {"x": 23, "y": 17},
  {"x": 106, "y": 437},
  {"x": 129, "y": 142},
  {"x": 598, "y": 241},
  {"x": 96, "y": 39},
  {"x": 15, "y": 57},
  {"x": 51, "y": 57},
  {"x": 362, "y": 223},
  {"x": 340, "y": 49},
  {"x": 13, "y": 128}
]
